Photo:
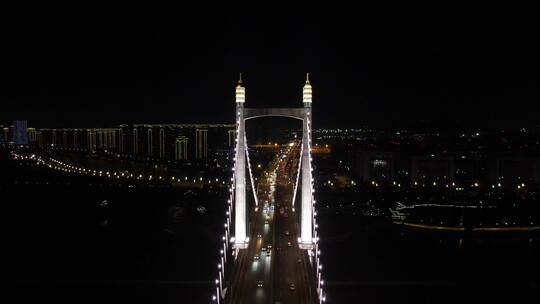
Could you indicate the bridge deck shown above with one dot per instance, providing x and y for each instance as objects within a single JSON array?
[{"x": 286, "y": 264}]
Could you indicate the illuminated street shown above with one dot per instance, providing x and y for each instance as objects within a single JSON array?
[{"x": 275, "y": 223}]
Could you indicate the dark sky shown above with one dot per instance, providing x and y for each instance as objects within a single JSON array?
[{"x": 103, "y": 65}]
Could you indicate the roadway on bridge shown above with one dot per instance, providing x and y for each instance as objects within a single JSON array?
[{"x": 273, "y": 224}]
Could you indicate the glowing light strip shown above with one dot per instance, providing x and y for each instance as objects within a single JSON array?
[
  {"x": 124, "y": 174},
  {"x": 441, "y": 205},
  {"x": 298, "y": 175},
  {"x": 320, "y": 292},
  {"x": 250, "y": 174},
  {"x": 219, "y": 293}
]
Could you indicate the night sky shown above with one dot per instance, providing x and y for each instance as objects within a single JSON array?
[{"x": 387, "y": 66}]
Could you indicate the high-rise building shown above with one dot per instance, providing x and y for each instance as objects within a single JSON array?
[
  {"x": 6, "y": 135},
  {"x": 40, "y": 142},
  {"x": 149, "y": 143},
  {"x": 75, "y": 139},
  {"x": 53, "y": 138},
  {"x": 180, "y": 148},
  {"x": 375, "y": 166},
  {"x": 201, "y": 142},
  {"x": 135, "y": 141},
  {"x": 110, "y": 139},
  {"x": 99, "y": 136},
  {"x": 207, "y": 139},
  {"x": 64, "y": 139},
  {"x": 113, "y": 139},
  {"x": 32, "y": 135},
  {"x": 120, "y": 140},
  {"x": 20, "y": 132},
  {"x": 91, "y": 135},
  {"x": 161, "y": 143}
]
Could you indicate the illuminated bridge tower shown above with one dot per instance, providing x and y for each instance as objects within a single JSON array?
[
  {"x": 306, "y": 239},
  {"x": 240, "y": 222},
  {"x": 230, "y": 281},
  {"x": 241, "y": 239}
]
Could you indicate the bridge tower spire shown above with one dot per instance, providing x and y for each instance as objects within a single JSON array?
[
  {"x": 240, "y": 221},
  {"x": 306, "y": 218}
]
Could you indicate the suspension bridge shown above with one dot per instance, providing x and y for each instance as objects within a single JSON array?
[{"x": 270, "y": 251}]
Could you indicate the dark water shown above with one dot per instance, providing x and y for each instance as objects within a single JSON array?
[
  {"x": 372, "y": 260},
  {"x": 145, "y": 246},
  {"x": 155, "y": 247}
]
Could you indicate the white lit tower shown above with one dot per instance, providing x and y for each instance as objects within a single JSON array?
[
  {"x": 240, "y": 222},
  {"x": 306, "y": 231}
]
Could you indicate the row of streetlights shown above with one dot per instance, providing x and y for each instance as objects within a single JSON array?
[
  {"x": 65, "y": 167},
  {"x": 226, "y": 238},
  {"x": 448, "y": 185},
  {"x": 320, "y": 282}
]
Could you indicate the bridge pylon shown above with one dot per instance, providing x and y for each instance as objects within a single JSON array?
[
  {"x": 240, "y": 220},
  {"x": 306, "y": 226},
  {"x": 241, "y": 240}
]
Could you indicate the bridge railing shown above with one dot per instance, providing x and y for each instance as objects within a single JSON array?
[
  {"x": 225, "y": 251},
  {"x": 316, "y": 252}
]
